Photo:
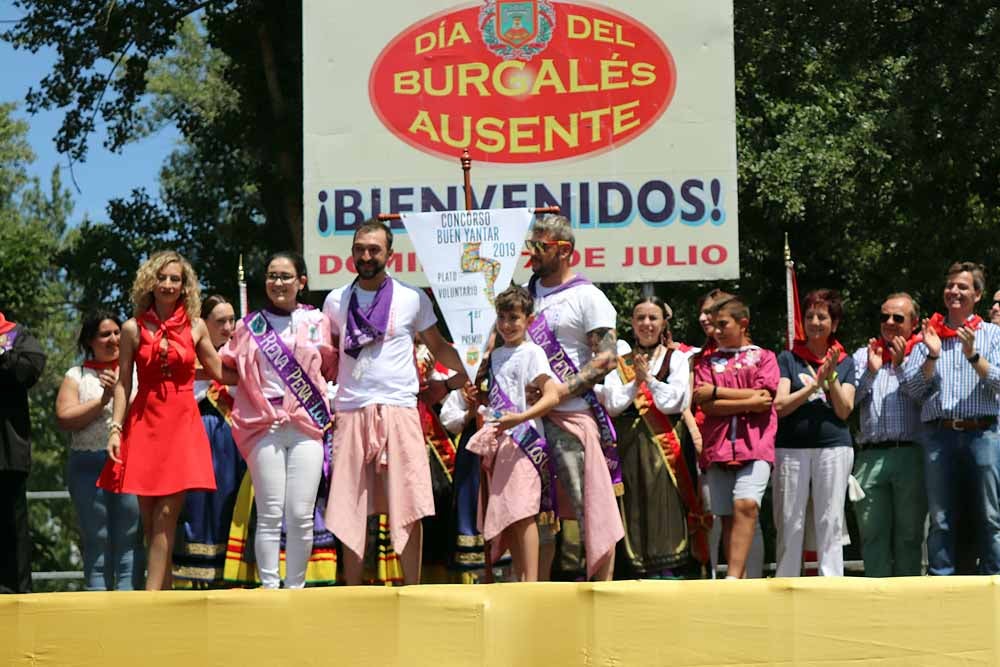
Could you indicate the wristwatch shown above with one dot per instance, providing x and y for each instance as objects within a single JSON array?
[{"x": 974, "y": 358}]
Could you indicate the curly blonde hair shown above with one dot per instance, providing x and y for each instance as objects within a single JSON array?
[{"x": 145, "y": 282}]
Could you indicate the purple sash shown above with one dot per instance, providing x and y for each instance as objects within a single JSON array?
[
  {"x": 312, "y": 400},
  {"x": 7, "y": 339},
  {"x": 369, "y": 325},
  {"x": 577, "y": 279},
  {"x": 563, "y": 367},
  {"x": 531, "y": 443}
]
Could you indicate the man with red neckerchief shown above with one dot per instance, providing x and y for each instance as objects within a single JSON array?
[
  {"x": 955, "y": 373},
  {"x": 889, "y": 464}
]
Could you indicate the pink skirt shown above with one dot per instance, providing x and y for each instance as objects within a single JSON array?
[
  {"x": 602, "y": 521},
  {"x": 515, "y": 487},
  {"x": 379, "y": 467}
]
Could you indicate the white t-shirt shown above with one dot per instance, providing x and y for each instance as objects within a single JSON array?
[
  {"x": 514, "y": 367},
  {"x": 571, "y": 315},
  {"x": 385, "y": 371}
]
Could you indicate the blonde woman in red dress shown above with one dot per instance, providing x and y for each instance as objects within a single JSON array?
[{"x": 157, "y": 446}]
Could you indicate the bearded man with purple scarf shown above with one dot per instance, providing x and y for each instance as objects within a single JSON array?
[
  {"x": 379, "y": 453},
  {"x": 575, "y": 325}
]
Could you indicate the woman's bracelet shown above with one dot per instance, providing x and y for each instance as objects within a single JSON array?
[
  {"x": 715, "y": 392},
  {"x": 115, "y": 427}
]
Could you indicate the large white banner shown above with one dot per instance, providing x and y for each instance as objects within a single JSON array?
[
  {"x": 621, "y": 114},
  {"x": 468, "y": 257}
]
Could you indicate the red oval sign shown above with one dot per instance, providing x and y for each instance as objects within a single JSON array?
[{"x": 522, "y": 81}]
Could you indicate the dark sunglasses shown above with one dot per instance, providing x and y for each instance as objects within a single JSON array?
[
  {"x": 541, "y": 246},
  {"x": 896, "y": 317}
]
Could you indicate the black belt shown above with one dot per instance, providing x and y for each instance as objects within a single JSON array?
[
  {"x": 888, "y": 444},
  {"x": 973, "y": 424}
]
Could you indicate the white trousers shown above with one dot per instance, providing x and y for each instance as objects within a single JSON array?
[
  {"x": 825, "y": 471},
  {"x": 286, "y": 468}
]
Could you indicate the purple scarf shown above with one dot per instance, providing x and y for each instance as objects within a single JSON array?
[{"x": 368, "y": 325}]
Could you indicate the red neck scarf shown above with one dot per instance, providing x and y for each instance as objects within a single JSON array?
[
  {"x": 5, "y": 324},
  {"x": 173, "y": 324},
  {"x": 683, "y": 347},
  {"x": 802, "y": 351},
  {"x": 100, "y": 365},
  {"x": 710, "y": 346},
  {"x": 940, "y": 324},
  {"x": 887, "y": 347}
]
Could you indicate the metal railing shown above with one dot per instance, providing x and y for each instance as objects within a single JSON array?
[{"x": 67, "y": 575}]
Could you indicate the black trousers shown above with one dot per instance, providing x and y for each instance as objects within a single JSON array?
[{"x": 15, "y": 540}]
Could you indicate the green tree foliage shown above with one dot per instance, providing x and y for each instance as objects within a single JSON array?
[
  {"x": 234, "y": 185},
  {"x": 34, "y": 292},
  {"x": 865, "y": 132}
]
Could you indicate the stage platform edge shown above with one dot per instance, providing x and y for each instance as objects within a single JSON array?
[{"x": 809, "y": 621}]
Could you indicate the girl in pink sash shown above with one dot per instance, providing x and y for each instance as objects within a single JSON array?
[
  {"x": 276, "y": 434},
  {"x": 516, "y": 460}
]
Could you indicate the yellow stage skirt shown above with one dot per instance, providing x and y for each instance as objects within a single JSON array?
[{"x": 812, "y": 621}]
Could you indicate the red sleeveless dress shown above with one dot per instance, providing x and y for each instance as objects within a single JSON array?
[{"x": 164, "y": 446}]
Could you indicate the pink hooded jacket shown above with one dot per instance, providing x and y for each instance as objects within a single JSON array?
[{"x": 252, "y": 413}]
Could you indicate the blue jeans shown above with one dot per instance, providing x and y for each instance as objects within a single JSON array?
[
  {"x": 113, "y": 555},
  {"x": 962, "y": 469}
]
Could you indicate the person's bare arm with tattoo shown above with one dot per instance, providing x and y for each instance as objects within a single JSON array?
[{"x": 604, "y": 344}]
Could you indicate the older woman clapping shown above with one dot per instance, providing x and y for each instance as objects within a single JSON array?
[{"x": 814, "y": 447}]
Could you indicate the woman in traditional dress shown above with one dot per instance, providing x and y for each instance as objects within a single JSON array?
[
  {"x": 113, "y": 557},
  {"x": 646, "y": 397},
  {"x": 200, "y": 553},
  {"x": 157, "y": 445},
  {"x": 284, "y": 355}
]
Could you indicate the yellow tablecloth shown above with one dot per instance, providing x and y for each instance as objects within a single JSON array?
[{"x": 812, "y": 621}]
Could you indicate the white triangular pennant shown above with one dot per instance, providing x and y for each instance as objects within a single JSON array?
[{"x": 469, "y": 257}]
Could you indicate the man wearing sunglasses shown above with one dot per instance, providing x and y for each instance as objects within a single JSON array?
[
  {"x": 995, "y": 308},
  {"x": 575, "y": 325},
  {"x": 890, "y": 465},
  {"x": 955, "y": 372}
]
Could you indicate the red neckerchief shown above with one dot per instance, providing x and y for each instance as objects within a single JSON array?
[
  {"x": 100, "y": 365},
  {"x": 5, "y": 324},
  {"x": 710, "y": 346},
  {"x": 940, "y": 325},
  {"x": 802, "y": 351},
  {"x": 172, "y": 329},
  {"x": 887, "y": 348},
  {"x": 683, "y": 347},
  {"x": 174, "y": 324}
]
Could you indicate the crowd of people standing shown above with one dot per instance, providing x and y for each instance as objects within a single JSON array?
[{"x": 644, "y": 445}]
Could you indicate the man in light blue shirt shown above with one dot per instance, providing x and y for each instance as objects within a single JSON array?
[
  {"x": 955, "y": 373},
  {"x": 890, "y": 465}
]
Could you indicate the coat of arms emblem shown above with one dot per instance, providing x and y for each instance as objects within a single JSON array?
[{"x": 517, "y": 29}]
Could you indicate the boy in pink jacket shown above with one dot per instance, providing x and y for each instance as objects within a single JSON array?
[{"x": 735, "y": 386}]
